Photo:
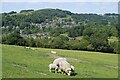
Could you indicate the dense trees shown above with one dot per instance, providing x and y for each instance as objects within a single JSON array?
[
  {"x": 57, "y": 42},
  {"x": 26, "y": 17},
  {"x": 118, "y": 29},
  {"x": 14, "y": 39},
  {"x": 12, "y": 12},
  {"x": 99, "y": 41},
  {"x": 65, "y": 29},
  {"x": 95, "y": 42},
  {"x": 26, "y": 10},
  {"x": 75, "y": 31}
]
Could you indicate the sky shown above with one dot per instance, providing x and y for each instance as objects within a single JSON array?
[
  {"x": 92, "y": 6},
  {"x": 60, "y": 0}
]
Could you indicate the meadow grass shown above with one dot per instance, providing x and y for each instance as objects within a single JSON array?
[
  {"x": 19, "y": 62},
  {"x": 0, "y": 61}
]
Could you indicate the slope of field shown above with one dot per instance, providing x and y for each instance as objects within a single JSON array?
[{"x": 19, "y": 62}]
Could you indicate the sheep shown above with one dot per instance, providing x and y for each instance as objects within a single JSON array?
[
  {"x": 65, "y": 67},
  {"x": 53, "y": 52},
  {"x": 60, "y": 65},
  {"x": 53, "y": 67},
  {"x": 27, "y": 47},
  {"x": 56, "y": 61}
]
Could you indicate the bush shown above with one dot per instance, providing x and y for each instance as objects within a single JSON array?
[
  {"x": 114, "y": 46},
  {"x": 14, "y": 39},
  {"x": 84, "y": 44}
]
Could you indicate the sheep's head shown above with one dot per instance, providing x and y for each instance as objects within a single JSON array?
[{"x": 68, "y": 71}]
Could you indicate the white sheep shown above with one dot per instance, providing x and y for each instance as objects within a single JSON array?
[
  {"x": 56, "y": 61},
  {"x": 53, "y": 67},
  {"x": 53, "y": 52},
  {"x": 65, "y": 67},
  {"x": 27, "y": 47}
]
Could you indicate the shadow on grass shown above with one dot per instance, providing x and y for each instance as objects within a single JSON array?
[{"x": 73, "y": 74}]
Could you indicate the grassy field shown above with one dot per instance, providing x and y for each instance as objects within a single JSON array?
[
  {"x": 0, "y": 62},
  {"x": 19, "y": 62}
]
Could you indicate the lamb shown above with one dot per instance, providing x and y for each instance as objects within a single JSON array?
[{"x": 53, "y": 67}]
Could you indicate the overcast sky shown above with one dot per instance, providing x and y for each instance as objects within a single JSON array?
[{"x": 78, "y": 6}]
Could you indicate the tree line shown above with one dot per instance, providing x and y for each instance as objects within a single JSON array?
[{"x": 94, "y": 42}]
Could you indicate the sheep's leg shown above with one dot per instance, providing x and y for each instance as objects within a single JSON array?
[
  {"x": 63, "y": 72},
  {"x": 50, "y": 70},
  {"x": 58, "y": 70},
  {"x": 55, "y": 71}
]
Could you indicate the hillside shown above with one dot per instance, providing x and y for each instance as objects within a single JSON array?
[
  {"x": 19, "y": 62},
  {"x": 39, "y": 20},
  {"x": 61, "y": 29}
]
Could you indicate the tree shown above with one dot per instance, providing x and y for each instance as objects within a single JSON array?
[
  {"x": 58, "y": 42},
  {"x": 12, "y": 12},
  {"x": 26, "y": 10},
  {"x": 30, "y": 42},
  {"x": 89, "y": 31},
  {"x": 118, "y": 29},
  {"x": 14, "y": 39},
  {"x": 85, "y": 44},
  {"x": 76, "y": 31},
  {"x": 54, "y": 32},
  {"x": 99, "y": 41}
]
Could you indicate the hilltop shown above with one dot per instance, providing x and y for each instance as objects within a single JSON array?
[{"x": 39, "y": 20}]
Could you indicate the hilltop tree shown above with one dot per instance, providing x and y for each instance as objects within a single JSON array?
[{"x": 12, "y": 12}]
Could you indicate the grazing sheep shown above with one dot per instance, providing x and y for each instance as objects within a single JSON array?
[
  {"x": 60, "y": 65},
  {"x": 27, "y": 47},
  {"x": 53, "y": 67},
  {"x": 65, "y": 67},
  {"x": 56, "y": 61},
  {"x": 53, "y": 52}
]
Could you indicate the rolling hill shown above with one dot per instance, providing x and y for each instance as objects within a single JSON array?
[{"x": 57, "y": 18}]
